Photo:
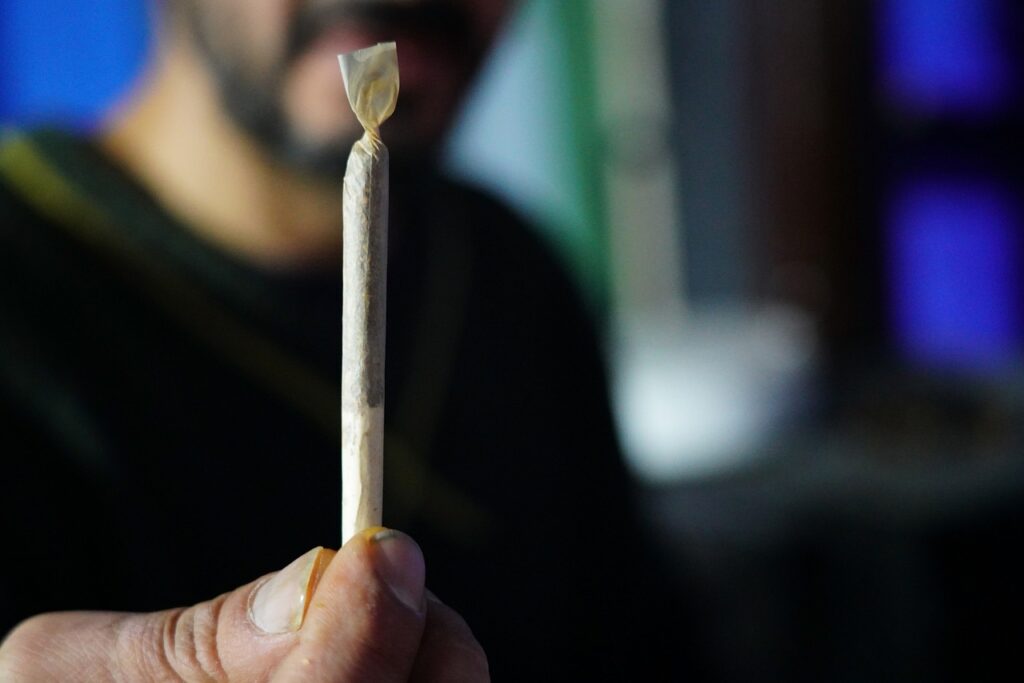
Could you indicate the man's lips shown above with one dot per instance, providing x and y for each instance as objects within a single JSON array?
[{"x": 340, "y": 39}]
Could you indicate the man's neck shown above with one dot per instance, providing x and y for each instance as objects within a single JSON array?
[{"x": 173, "y": 136}]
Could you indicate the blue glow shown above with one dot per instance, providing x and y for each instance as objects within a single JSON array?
[
  {"x": 66, "y": 60},
  {"x": 953, "y": 273},
  {"x": 944, "y": 55}
]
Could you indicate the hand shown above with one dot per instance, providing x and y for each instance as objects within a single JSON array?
[{"x": 362, "y": 614}]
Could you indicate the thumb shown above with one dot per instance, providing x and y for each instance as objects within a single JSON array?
[{"x": 358, "y": 616}]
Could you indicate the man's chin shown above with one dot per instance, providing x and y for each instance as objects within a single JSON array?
[{"x": 321, "y": 161}]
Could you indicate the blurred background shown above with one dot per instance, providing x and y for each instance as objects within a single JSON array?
[{"x": 800, "y": 223}]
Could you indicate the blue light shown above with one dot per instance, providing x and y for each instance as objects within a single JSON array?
[
  {"x": 940, "y": 56},
  {"x": 953, "y": 264},
  {"x": 66, "y": 60}
]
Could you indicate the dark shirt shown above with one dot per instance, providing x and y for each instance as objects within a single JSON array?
[{"x": 169, "y": 416}]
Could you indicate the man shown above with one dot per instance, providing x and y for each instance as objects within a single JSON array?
[{"x": 168, "y": 382}]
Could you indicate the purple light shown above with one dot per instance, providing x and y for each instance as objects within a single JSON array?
[
  {"x": 942, "y": 56},
  {"x": 953, "y": 285}
]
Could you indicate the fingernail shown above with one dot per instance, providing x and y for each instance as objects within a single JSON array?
[
  {"x": 279, "y": 605},
  {"x": 399, "y": 562}
]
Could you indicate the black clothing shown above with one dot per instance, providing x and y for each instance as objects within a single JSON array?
[{"x": 169, "y": 415}]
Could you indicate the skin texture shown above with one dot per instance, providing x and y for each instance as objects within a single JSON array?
[{"x": 357, "y": 628}]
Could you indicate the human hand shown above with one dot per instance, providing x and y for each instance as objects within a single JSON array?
[{"x": 362, "y": 614}]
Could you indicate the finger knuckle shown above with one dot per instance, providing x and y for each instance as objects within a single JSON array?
[
  {"x": 204, "y": 646},
  {"x": 182, "y": 646}
]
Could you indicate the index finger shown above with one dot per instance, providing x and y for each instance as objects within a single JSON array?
[
  {"x": 449, "y": 651},
  {"x": 366, "y": 618}
]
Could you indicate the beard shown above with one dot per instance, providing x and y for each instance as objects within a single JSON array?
[{"x": 252, "y": 94}]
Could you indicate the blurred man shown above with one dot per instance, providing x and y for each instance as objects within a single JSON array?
[{"x": 169, "y": 351}]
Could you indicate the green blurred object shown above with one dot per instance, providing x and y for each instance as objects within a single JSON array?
[{"x": 586, "y": 249}]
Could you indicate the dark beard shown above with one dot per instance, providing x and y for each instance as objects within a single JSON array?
[{"x": 254, "y": 101}]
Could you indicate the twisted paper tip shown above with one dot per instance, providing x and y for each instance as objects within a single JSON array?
[{"x": 371, "y": 82}]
